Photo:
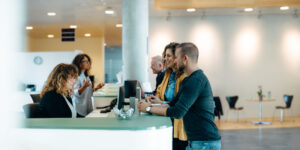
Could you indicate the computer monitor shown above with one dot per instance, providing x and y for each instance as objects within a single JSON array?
[
  {"x": 130, "y": 88},
  {"x": 120, "y": 102}
]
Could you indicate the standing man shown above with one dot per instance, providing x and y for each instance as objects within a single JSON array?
[
  {"x": 193, "y": 102},
  {"x": 157, "y": 68}
]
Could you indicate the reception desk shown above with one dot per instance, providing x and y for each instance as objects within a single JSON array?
[{"x": 146, "y": 132}]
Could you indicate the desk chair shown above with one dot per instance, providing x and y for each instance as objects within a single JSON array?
[
  {"x": 288, "y": 101},
  {"x": 231, "y": 102},
  {"x": 218, "y": 109},
  {"x": 35, "y": 98},
  {"x": 31, "y": 110}
]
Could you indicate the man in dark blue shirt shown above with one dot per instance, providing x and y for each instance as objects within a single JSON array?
[
  {"x": 157, "y": 68},
  {"x": 193, "y": 102}
]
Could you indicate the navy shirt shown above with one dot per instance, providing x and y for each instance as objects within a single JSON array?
[
  {"x": 194, "y": 103},
  {"x": 159, "y": 79}
]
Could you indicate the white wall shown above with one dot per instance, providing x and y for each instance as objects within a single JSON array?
[
  {"x": 32, "y": 73},
  {"x": 238, "y": 53}
]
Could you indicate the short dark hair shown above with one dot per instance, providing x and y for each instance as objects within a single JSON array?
[{"x": 190, "y": 50}]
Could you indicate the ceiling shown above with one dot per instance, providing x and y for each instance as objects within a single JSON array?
[{"x": 89, "y": 15}]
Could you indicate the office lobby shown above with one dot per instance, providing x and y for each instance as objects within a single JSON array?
[{"x": 249, "y": 51}]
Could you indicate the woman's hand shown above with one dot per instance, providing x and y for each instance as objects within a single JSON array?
[
  {"x": 86, "y": 83},
  {"x": 99, "y": 86},
  {"x": 153, "y": 99}
]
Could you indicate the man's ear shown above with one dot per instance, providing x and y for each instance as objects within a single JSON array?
[{"x": 185, "y": 58}]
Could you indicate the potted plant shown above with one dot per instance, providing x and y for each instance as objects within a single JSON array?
[{"x": 260, "y": 93}]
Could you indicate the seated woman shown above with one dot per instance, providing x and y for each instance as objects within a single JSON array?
[
  {"x": 56, "y": 101},
  {"x": 167, "y": 90}
]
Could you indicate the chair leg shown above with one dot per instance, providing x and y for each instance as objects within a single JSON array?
[
  {"x": 281, "y": 115},
  {"x": 292, "y": 114},
  {"x": 273, "y": 115},
  {"x": 244, "y": 112},
  {"x": 227, "y": 115},
  {"x": 237, "y": 116}
]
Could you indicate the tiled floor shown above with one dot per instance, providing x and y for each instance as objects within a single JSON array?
[
  {"x": 261, "y": 139},
  {"x": 243, "y": 135}
]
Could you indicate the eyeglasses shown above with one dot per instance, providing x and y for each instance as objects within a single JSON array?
[{"x": 86, "y": 61}]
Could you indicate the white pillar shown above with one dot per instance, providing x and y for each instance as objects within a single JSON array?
[
  {"x": 12, "y": 29},
  {"x": 135, "y": 18}
]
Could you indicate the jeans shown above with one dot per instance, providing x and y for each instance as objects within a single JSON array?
[{"x": 204, "y": 145}]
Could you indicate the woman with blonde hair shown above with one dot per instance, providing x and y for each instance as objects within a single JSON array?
[
  {"x": 167, "y": 90},
  {"x": 56, "y": 99}
]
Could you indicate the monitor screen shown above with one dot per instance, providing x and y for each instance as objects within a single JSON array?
[
  {"x": 121, "y": 97},
  {"x": 130, "y": 88}
]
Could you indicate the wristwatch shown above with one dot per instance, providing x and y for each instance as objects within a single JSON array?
[{"x": 148, "y": 109}]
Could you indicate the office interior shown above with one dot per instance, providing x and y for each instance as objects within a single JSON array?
[{"x": 243, "y": 46}]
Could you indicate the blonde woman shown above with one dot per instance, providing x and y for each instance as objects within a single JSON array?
[
  {"x": 166, "y": 92},
  {"x": 56, "y": 99}
]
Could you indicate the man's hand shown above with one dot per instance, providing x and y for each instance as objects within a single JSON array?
[{"x": 143, "y": 105}]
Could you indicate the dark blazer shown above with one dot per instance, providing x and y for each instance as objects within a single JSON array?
[
  {"x": 53, "y": 105},
  {"x": 159, "y": 78}
]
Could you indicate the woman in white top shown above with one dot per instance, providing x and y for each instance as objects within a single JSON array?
[{"x": 83, "y": 89}]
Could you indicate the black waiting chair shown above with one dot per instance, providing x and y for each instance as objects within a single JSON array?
[
  {"x": 231, "y": 102},
  {"x": 35, "y": 98},
  {"x": 288, "y": 102},
  {"x": 218, "y": 109},
  {"x": 31, "y": 110}
]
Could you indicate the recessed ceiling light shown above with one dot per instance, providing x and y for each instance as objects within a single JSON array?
[
  {"x": 29, "y": 27},
  {"x": 191, "y": 10},
  {"x": 51, "y": 13},
  {"x": 284, "y": 8},
  {"x": 87, "y": 34},
  {"x": 119, "y": 25},
  {"x": 73, "y": 26},
  {"x": 109, "y": 12},
  {"x": 248, "y": 9},
  {"x": 50, "y": 36}
]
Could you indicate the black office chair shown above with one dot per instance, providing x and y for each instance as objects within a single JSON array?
[
  {"x": 288, "y": 102},
  {"x": 218, "y": 109},
  {"x": 35, "y": 98},
  {"x": 31, "y": 110},
  {"x": 231, "y": 102}
]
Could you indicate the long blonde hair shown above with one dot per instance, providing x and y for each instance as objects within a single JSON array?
[{"x": 58, "y": 78}]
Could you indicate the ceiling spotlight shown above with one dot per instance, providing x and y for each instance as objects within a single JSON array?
[
  {"x": 73, "y": 26},
  {"x": 119, "y": 25},
  {"x": 248, "y": 9},
  {"x": 51, "y": 13},
  {"x": 284, "y": 8},
  {"x": 29, "y": 27},
  {"x": 109, "y": 11},
  {"x": 50, "y": 36},
  {"x": 191, "y": 10},
  {"x": 87, "y": 35}
]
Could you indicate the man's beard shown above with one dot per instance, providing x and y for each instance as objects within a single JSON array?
[{"x": 181, "y": 68}]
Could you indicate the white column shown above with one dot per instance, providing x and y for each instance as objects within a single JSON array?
[
  {"x": 135, "y": 18},
  {"x": 12, "y": 29}
]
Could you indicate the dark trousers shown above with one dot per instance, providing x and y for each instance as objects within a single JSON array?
[{"x": 179, "y": 145}]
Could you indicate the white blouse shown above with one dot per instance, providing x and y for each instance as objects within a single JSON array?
[{"x": 84, "y": 101}]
